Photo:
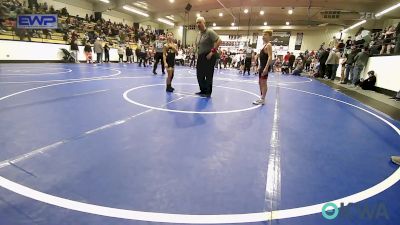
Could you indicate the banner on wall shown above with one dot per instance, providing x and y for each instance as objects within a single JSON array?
[
  {"x": 299, "y": 41},
  {"x": 280, "y": 38},
  {"x": 37, "y": 21},
  {"x": 234, "y": 44},
  {"x": 254, "y": 39}
]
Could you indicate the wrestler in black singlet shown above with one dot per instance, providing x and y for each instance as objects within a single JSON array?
[
  {"x": 170, "y": 57},
  {"x": 263, "y": 62}
]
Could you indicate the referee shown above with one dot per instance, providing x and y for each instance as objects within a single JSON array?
[
  {"x": 159, "y": 46},
  {"x": 207, "y": 44}
]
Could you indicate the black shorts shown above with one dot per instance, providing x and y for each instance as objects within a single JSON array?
[
  {"x": 171, "y": 63},
  {"x": 262, "y": 77}
]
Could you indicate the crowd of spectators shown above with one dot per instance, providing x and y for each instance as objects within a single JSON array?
[
  {"x": 71, "y": 28},
  {"x": 136, "y": 44}
]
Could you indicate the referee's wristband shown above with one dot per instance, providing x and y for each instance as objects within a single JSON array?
[{"x": 213, "y": 50}]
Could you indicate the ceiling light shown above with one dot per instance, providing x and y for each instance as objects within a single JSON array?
[
  {"x": 142, "y": 5},
  {"x": 232, "y": 24},
  {"x": 287, "y": 23},
  {"x": 387, "y": 10},
  {"x": 166, "y": 21},
  {"x": 105, "y": 1},
  {"x": 172, "y": 1},
  {"x": 246, "y": 10},
  {"x": 134, "y": 10},
  {"x": 198, "y": 14},
  {"x": 221, "y": 14},
  {"x": 170, "y": 17},
  {"x": 290, "y": 11},
  {"x": 265, "y": 23},
  {"x": 355, "y": 25},
  {"x": 214, "y": 24},
  {"x": 261, "y": 12}
]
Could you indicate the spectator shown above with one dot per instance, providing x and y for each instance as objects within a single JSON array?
[
  {"x": 332, "y": 64},
  {"x": 333, "y": 43},
  {"x": 292, "y": 58},
  {"x": 299, "y": 68},
  {"x": 75, "y": 50},
  {"x": 341, "y": 46},
  {"x": 47, "y": 33},
  {"x": 88, "y": 53},
  {"x": 361, "y": 60},
  {"x": 349, "y": 43},
  {"x": 106, "y": 53},
  {"x": 397, "y": 46},
  {"x": 143, "y": 56},
  {"x": 121, "y": 54},
  {"x": 349, "y": 64},
  {"x": 32, "y": 3},
  {"x": 22, "y": 34},
  {"x": 192, "y": 59},
  {"x": 343, "y": 69},
  {"x": 324, "y": 54},
  {"x": 98, "y": 49},
  {"x": 129, "y": 54},
  {"x": 369, "y": 83},
  {"x": 388, "y": 42},
  {"x": 362, "y": 36},
  {"x": 286, "y": 58}
]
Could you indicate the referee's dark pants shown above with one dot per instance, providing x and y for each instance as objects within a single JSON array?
[
  {"x": 205, "y": 73},
  {"x": 247, "y": 65},
  {"x": 157, "y": 57}
]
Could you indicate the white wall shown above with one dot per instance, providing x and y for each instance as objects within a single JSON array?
[
  {"x": 153, "y": 25},
  {"x": 386, "y": 70},
  {"x": 385, "y": 67},
  {"x": 389, "y": 22},
  {"x": 312, "y": 39},
  {"x": 81, "y": 8},
  {"x": 74, "y": 7},
  {"x": 33, "y": 51},
  {"x": 118, "y": 17}
]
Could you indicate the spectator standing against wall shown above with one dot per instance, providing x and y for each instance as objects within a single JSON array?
[
  {"x": 361, "y": 60},
  {"x": 292, "y": 58},
  {"x": 88, "y": 53},
  {"x": 106, "y": 53},
  {"x": 98, "y": 49},
  {"x": 129, "y": 54},
  {"x": 350, "y": 63},
  {"x": 324, "y": 54},
  {"x": 75, "y": 50},
  {"x": 120, "y": 54},
  {"x": 143, "y": 55},
  {"x": 332, "y": 64}
]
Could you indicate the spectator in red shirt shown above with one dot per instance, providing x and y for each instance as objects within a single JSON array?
[{"x": 286, "y": 58}]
